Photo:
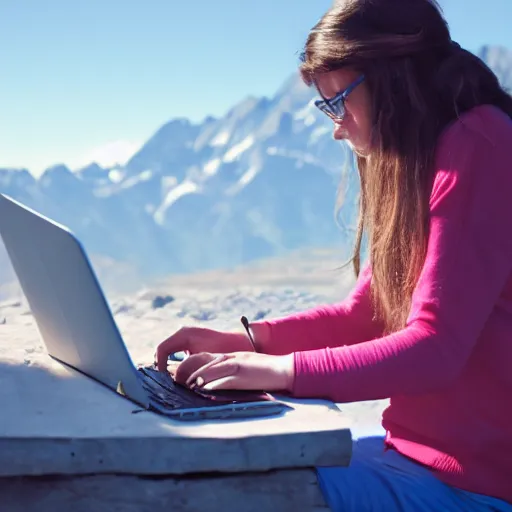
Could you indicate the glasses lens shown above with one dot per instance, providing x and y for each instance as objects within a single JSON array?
[
  {"x": 339, "y": 108},
  {"x": 324, "y": 107},
  {"x": 335, "y": 110}
]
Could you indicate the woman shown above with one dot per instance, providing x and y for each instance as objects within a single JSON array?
[{"x": 429, "y": 323}]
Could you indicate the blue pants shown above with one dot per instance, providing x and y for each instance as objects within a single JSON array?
[{"x": 385, "y": 481}]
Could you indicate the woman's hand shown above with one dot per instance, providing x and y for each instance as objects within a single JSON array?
[
  {"x": 239, "y": 370},
  {"x": 193, "y": 340}
]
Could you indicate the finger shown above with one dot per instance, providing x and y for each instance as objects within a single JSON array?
[
  {"x": 216, "y": 370},
  {"x": 172, "y": 344},
  {"x": 172, "y": 367},
  {"x": 192, "y": 378},
  {"x": 162, "y": 355},
  {"x": 230, "y": 382},
  {"x": 191, "y": 364}
]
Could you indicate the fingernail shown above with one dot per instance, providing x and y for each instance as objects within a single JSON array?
[{"x": 199, "y": 381}]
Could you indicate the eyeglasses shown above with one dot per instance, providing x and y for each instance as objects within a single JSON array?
[{"x": 335, "y": 107}]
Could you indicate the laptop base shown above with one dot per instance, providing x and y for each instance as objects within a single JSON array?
[{"x": 178, "y": 402}]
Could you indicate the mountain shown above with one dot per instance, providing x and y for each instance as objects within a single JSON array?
[{"x": 258, "y": 182}]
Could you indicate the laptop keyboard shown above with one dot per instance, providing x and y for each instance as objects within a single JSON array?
[{"x": 168, "y": 394}]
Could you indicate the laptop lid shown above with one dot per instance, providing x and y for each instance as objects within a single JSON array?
[{"x": 69, "y": 307}]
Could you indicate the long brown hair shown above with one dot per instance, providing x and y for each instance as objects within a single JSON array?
[{"x": 420, "y": 81}]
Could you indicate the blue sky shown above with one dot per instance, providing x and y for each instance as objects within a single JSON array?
[{"x": 93, "y": 79}]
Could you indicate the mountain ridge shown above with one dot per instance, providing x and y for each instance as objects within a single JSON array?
[{"x": 257, "y": 182}]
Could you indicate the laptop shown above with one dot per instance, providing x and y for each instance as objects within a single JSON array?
[{"x": 78, "y": 329}]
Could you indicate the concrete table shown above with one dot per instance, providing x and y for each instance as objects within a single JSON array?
[{"x": 68, "y": 443}]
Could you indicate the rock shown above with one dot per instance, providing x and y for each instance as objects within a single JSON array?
[
  {"x": 122, "y": 308},
  {"x": 260, "y": 315},
  {"x": 161, "y": 300},
  {"x": 204, "y": 315}
]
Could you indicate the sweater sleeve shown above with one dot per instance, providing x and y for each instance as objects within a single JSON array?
[
  {"x": 351, "y": 321},
  {"x": 467, "y": 265}
]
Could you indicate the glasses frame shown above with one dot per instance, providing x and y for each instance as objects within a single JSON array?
[{"x": 335, "y": 107}]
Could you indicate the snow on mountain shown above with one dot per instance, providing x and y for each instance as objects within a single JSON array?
[
  {"x": 235, "y": 151},
  {"x": 257, "y": 182}
]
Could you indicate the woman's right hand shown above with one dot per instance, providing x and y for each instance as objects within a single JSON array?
[{"x": 193, "y": 340}]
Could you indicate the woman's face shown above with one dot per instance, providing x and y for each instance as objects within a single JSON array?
[{"x": 355, "y": 127}]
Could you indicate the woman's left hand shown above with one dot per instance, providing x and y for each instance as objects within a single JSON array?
[{"x": 237, "y": 370}]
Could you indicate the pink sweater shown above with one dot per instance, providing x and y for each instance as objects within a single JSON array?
[{"x": 448, "y": 373}]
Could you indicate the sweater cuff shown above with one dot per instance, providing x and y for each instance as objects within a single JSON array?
[{"x": 307, "y": 379}]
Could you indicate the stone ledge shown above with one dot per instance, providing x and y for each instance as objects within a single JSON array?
[
  {"x": 167, "y": 455},
  {"x": 56, "y": 421}
]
